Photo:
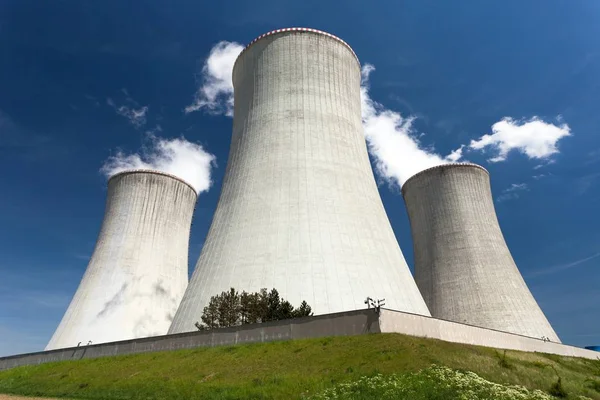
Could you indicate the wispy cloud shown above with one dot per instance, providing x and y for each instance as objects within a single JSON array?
[
  {"x": 535, "y": 138},
  {"x": 585, "y": 182},
  {"x": 136, "y": 115},
  {"x": 20, "y": 340},
  {"x": 215, "y": 93},
  {"x": 25, "y": 297},
  {"x": 456, "y": 155},
  {"x": 186, "y": 160},
  {"x": 562, "y": 267},
  {"x": 392, "y": 140},
  {"x": 92, "y": 99},
  {"x": 22, "y": 143},
  {"x": 45, "y": 299},
  {"x": 512, "y": 192},
  {"x": 593, "y": 156},
  {"x": 15, "y": 137}
]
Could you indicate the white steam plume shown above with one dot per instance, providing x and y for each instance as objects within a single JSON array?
[
  {"x": 399, "y": 155},
  {"x": 215, "y": 94},
  {"x": 456, "y": 155},
  {"x": 186, "y": 160},
  {"x": 391, "y": 140}
]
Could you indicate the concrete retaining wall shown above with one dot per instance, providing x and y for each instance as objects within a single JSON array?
[
  {"x": 339, "y": 324},
  {"x": 418, "y": 325}
]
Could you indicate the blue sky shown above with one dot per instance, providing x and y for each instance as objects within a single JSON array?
[{"x": 68, "y": 68}]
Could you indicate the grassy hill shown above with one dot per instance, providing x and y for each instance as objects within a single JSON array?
[{"x": 292, "y": 369}]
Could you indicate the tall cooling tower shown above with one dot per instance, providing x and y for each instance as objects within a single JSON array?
[
  {"x": 138, "y": 272},
  {"x": 299, "y": 209},
  {"x": 462, "y": 264}
]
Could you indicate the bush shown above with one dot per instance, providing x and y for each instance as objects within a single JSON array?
[{"x": 435, "y": 382}]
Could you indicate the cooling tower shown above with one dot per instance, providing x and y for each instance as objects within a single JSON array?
[
  {"x": 299, "y": 209},
  {"x": 138, "y": 272},
  {"x": 462, "y": 264}
]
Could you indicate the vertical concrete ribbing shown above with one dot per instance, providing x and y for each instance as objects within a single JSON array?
[
  {"x": 299, "y": 208},
  {"x": 137, "y": 274},
  {"x": 462, "y": 264}
]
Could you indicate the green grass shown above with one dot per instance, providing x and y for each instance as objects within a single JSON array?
[{"x": 290, "y": 369}]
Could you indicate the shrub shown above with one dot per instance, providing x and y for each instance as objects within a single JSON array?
[{"x": 435, "y": 382}]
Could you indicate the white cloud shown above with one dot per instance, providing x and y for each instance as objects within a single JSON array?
[
  {"x": 456, "y": 155},
  {"x": 534, "y": 138},
  {"x": 516, "y": 186},
  {"x": 154, "y": 130},
  {"x": 562, "y": 267},
  {"x": 215, "y": 94},
  {"x": 136, "y": 117},
  {"x": 512, "y": 192},
  {"x": 586, "y": 182},
  {"x": 186, "y": 160},
  {"x": 392, "y": 141}
]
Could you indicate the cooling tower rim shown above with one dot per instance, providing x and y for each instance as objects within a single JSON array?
[
  {"x": 442, "y": 166},
  {"x": 295, "y": 29},
  {"x": 153, "y": 172}
]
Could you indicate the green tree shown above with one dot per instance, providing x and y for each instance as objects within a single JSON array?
[
  {"x": 273, "y": 306},
  {"x": 210, "y": 314},
  {"x": 285, "y": 310},
  {"x": 261, "y": 306},
  {"x": 249, "y": 313},
  {"x": 303, "y": 311},
  {"x": 229, "y": 308}
]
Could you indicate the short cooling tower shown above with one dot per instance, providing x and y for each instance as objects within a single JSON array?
[
  {"x": 138, "y": 272},
  {"x": 299, "y": 209},
  {"x": 462, "y": 264}
]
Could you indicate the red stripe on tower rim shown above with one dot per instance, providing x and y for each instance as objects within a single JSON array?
[{"x": 296, "y": 29}]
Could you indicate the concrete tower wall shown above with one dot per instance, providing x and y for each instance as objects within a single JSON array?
[
  {"x": 462, "y": 264},
  {"x": 299, "y": 208},
  {"x": 137, "y": 274}
]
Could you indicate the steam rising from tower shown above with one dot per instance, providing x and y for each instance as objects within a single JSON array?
[
  {"x": 462, "y": 264},
  {"x": 137, "y": 274},
  {"x": 179, "y": 157},
  {"x": 299, "y": 208}
]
